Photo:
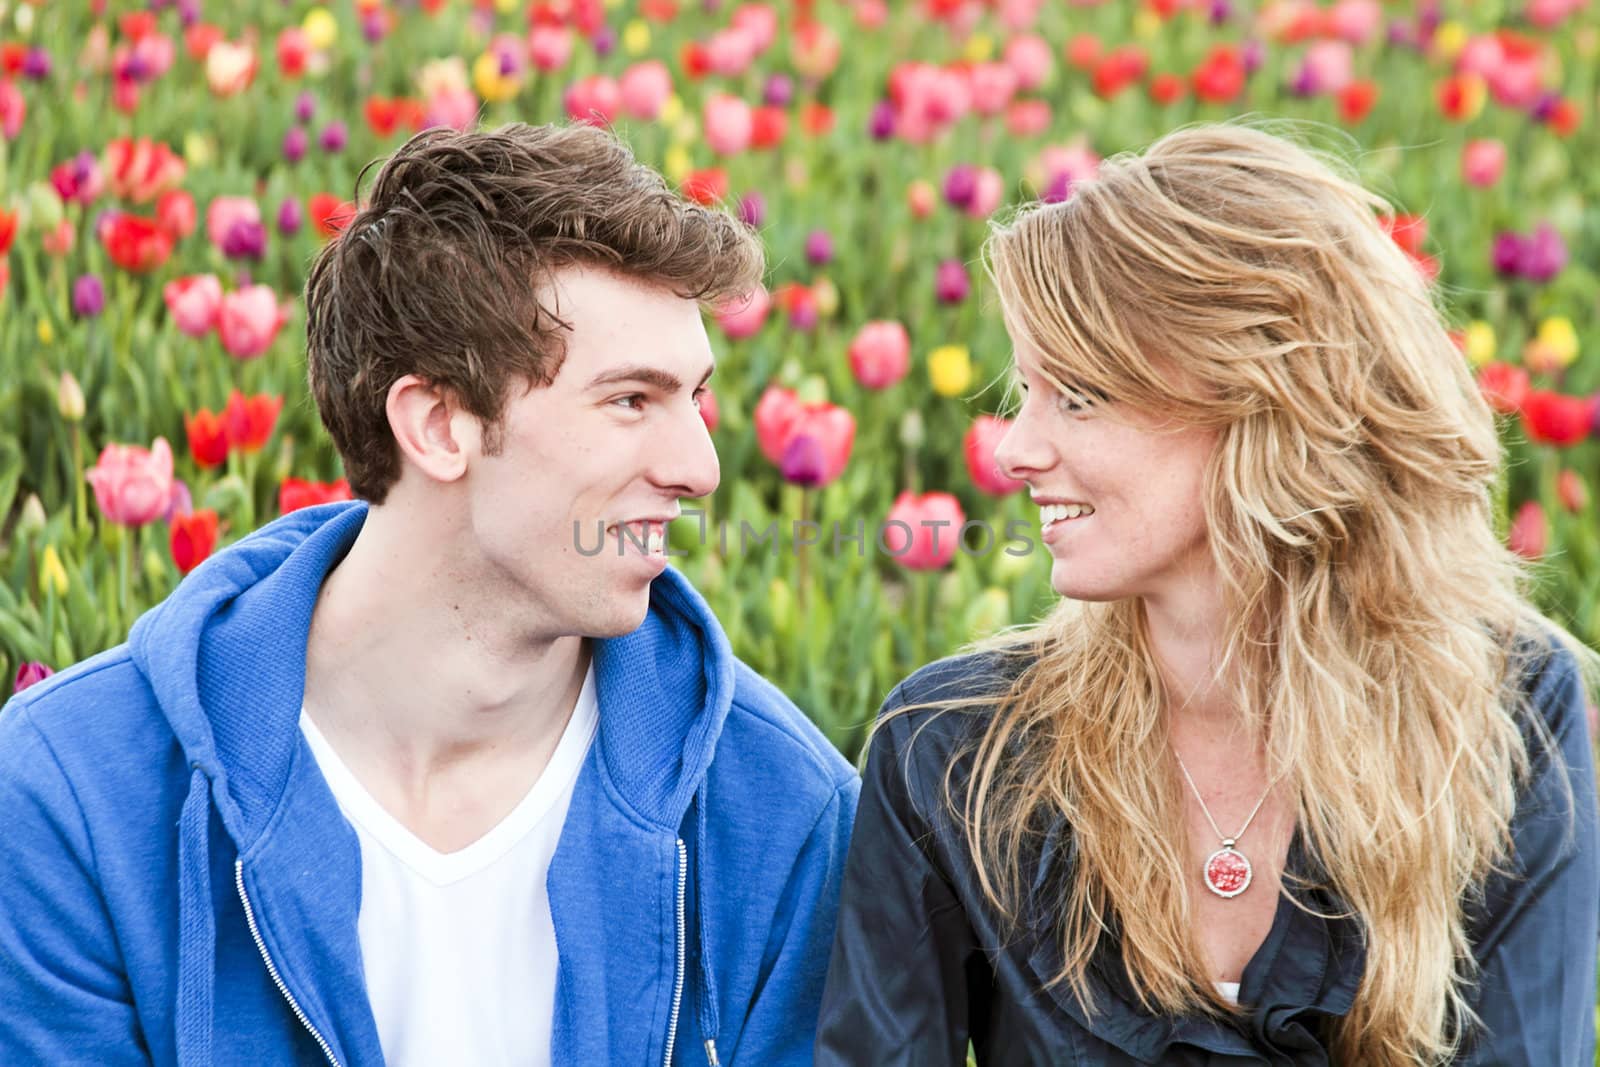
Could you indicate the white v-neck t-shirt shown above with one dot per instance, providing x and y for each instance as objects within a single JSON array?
[{"x": 458, "y": 948}]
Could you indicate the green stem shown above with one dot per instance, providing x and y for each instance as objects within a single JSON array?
[{"x": 81, "y": 507}]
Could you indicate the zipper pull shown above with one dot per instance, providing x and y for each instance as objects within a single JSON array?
[{"x": 711, "y": 1053}]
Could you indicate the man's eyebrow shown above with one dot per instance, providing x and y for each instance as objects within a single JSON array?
[{"x": 665, "y": 381}]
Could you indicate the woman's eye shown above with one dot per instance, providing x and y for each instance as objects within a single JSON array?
[{"x": 1072, "y": 404}]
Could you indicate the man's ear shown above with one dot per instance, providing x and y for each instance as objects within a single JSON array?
[{"x": 433, "y": 433}]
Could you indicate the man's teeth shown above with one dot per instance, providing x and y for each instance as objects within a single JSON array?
[
  {"x": 653, "y": 536},
  {"x": 1059, "y": 512}
]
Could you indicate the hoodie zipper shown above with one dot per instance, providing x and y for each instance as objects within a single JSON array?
[
  {"x": 677, "y": 979},
  {"x": 250, "y": 917}
]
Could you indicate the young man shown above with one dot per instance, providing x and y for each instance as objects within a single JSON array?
[{"x": 425, "y": 779}]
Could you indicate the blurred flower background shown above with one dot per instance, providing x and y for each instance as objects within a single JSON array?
[{"x": 167, "y": 169}]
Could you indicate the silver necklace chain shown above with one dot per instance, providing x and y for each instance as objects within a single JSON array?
[{"x": 1227, "y": 842}]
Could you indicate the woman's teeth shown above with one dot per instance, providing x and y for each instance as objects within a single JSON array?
[{"x": 1054, "y": 513}]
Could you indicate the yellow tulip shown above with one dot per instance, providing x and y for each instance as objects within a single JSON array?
[
  {"x": 52, "y": 575},
  {"x": 980, "y": 47},
  {"x": 950, "y": 369},
  {"x": 677, "y": 163},
  {"x": 47, "y": 332},
  {"x": 636, "y": 37},
  {"x": 1557, "y": 335},
  {"x": 1449, "y": 39},
  {"x": 1480, "y": 342},
  {"x": 1146, "y": 24},
  {"x": 671, "y": 110},
  {"x": 490, "y": 83},
  {"x": 321, "y": 28}
]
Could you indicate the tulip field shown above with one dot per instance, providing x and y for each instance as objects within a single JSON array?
[{"x": 167, "y": 170}]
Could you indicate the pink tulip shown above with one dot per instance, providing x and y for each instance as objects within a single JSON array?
[
  {"x": 1328, "y": 67},
  {"x": 820, "y": 439},
  {"x": 1483, "y": 161},
  {"x": 549, "y": 47},
  {"x": 922, "y": 532},
  {"x": 31, "y": 672},
  {"x": 728, "y": 124},
  {"x": 453, "y": 106},
  {"x": 645, "y": 88},
  {"x": 979, "y": 444},
  {"x": 988, "y": 189},
  {"x": 730, "y": 52},
  {"x": 993, "y": 86},
  {"x": 193, "y": 302},
  {"x": 775, "y": 413},
  {"x": 741, "y": 317},
  {"x": 1529, "y": 531},
  {"x": 1355, "y": 20},
  {"x": 759, "y": 21},
  {"x": 133, "y": 486},
  {"x": 13, "y": 109},
  {"x": 225, "y": 212},
  {"x": 1031, "y": 58},
  {"x": 880, "y": 355},
  {"x": 595, "y": 99},
  {"x": 248, "y": 321},
  {"x": 809, "y": 443}
]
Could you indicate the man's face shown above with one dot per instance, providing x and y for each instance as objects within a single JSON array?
[{"x": 614, "y": 441}]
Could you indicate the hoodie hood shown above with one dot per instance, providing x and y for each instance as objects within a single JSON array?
[{"x": 225, "y": 656}]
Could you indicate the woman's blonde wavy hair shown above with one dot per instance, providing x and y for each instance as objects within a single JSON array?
[{"x": 1235, "y": 279}]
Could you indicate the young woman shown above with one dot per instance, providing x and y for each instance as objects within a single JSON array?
[{"x": 1294, "y": 774}]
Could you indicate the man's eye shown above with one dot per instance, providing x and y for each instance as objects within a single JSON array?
[
  {"x": 633, "y": 401},
  {"x": 1072, "y": 403},
  {"x": 699, "y": 395}
]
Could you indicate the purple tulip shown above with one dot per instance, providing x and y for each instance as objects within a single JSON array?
[
  {"x": 960, "y": 184},
  {"x": 1252, "y": 55},
  {"x": 290, "y": 217},
  {"x": 1543, "y": 254},
  {"x": 31, "y": 672},
  {"x": 803, "y": 461},
  {"x": 1221, "y": 11},
  {"x": 880, "y": 127},
  {"x": 604, "y": 42},
  {"x": 779, "y": 91},
  {"x": 1059, "y": 189},
  {"x": 335, "y": 135},
  {"x": 1401, "y": 35},
  {"x": 373, "y": 26},
  {"x": 1507, "y": 254},
  {"x": 1545, "y": 106},
  {"x": 819, "y": 248},
  {"x": 951, "y": 283},
  {"x": 1594, "y": 415},
  {"x": 188, "y": 12},
  {"x": 305, "y": 105},
  {"x": 36, "y": 64},
  {"x": 88, "y": 297},
  {"x": 753, "y": 209},
  {"x": 245, "y": 240},
  {"x": 294, "y": 144}
]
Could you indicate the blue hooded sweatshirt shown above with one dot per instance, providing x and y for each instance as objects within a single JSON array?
[{"x": 178, "y": 886}]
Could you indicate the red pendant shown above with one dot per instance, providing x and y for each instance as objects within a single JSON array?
[{"x": 1227, "y": 872}]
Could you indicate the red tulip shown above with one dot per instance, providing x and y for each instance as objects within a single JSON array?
[
  {"x": 880, "y": 355},
  {"x": 1220, "y": 79},
  {"x": 133, "y": 485},
  {"x": 1504, "y": 386},
  {"x": 329, "y": 214},
  {"x": 706, "y": 186},
  {"x": 922, "y": 532},
  {"x": 1356, "y": 101},
  {"x": 248, "y": 421},
  {"x": 192, "y": 538},
  {"x": 141, "y": 170},
  {"x": 297, "y": 493},
  {"x": 1529, "y": 532},
  {"x": 208, "y": 438},
  {"x": 1555, "y": 418},
  {"x": 979, "y": 444},
  {"x": 135, "y": 243},
  {"x": 175, "y": 213}
]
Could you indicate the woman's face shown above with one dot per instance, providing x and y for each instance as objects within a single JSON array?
[{"x": 1119, "y": 491}]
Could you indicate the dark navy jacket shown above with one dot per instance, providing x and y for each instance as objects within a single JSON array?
[{"x": 921, "y": 965}]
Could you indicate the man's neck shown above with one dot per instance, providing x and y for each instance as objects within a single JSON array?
[{"x": 443, "y": 715}]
